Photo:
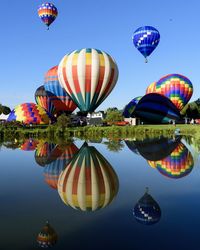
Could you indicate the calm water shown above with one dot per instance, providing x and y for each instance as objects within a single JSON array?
[{"x": 93, "y": 195}]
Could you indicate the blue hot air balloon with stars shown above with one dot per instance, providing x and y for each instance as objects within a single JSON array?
[{"x": 146, "y": 39}]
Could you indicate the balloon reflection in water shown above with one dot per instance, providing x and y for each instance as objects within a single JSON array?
[
  {"x": 153, "y": 149},
  {"x": 47, "y": 237},
  {"x": 147, "y": 210},
  {"x": 177, "y": 165},
  {"x": 43, "y": 152},
  {"x": 89, "y": 182},
  {"x": 53, "y": 170},
  {"x": 29, "y": 145}
]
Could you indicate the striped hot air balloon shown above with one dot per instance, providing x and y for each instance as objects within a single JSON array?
[
  {"x": 53, "y": 170},
  {"x": 47, "y": 237},
  {"x": 47, "y": 13},
  {"x": 177, "y": 88},
  {"x": 88, "y": 183},
  {"x": 43, "y": 152},
  {"x": 29, "y": 113},
  {"x": 42, "y": 98},
  {"x": 151, "y": 88},
  {"x": 88, "y": 76},
  {"x": 58, "y": 96}
]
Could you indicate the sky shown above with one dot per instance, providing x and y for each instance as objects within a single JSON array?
[{"x": 29, "y": 50}]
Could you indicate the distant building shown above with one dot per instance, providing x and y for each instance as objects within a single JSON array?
[
  {"x": 95, "y": 118},
  {"x": 3, "y": 117},
  {"x": 132, "y": 121}
]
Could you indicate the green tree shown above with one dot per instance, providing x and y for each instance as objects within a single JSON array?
[
  {"x": 113, "y": 115},
  {"x": 4, "y": 109},
  {"x": 114, "y": 146},
  {"x": 63, "y": 121}
]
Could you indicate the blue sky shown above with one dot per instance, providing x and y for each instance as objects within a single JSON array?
[{"x": 28, "y": 50}]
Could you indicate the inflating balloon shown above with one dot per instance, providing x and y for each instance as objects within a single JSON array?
[
  {"x": 130, "y": 107},
  {"x": 88, "y": 76},
  {"x": 47, "y": 13},
  {"x": 29, "y": 113},
  {"x": 89, "y": 182},
  {"x": 146, "y": 39},
  {"x": 42, "y": 98},
  {"x": 58, "y": 96},
  {"x": 177, "y": 88},
  {"x": 156, "y": 108}
]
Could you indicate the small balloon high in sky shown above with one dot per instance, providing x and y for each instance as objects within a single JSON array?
[{"x": 48, "y": 13}]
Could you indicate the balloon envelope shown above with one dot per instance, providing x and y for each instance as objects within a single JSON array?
[
  {"x": 88, "y": 76},
  {"x": 47, "y": 13},
  {"x": 88, "y": 183},
  {"x": 53, "y": 170},
  {"x": 42, "y": 98},
  {"x": 58, "y": 96},
  {"x": 130, "y": 107},
  {"x": 43, "y": 152},
  {"x": 29, "y": 113},
  {"x": 178, "y": 164},
  {"x": 151, "y": 88},
  {"x": 47, "y": 237},
  {"x": 156, "y": 108},
  {"x": 147, "y": 210},
  {"x": 146, "y": 39},
  {"x": 177, "y": 88}
]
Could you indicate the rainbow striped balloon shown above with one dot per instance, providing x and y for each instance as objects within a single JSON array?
[
  {"x": 88, "y": 76},
  {"x": 88, "y": 183},
  {"x": 151, "y": 88},
  {"x": 58, "y": 96},
  {"x": 177, "y": 165},
  {"x": 29, "y": 113},
  {"x": 47, "y": 13},
  {"x": 177, "y": 88}
]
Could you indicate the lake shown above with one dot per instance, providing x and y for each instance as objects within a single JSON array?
[{"x": 121, "y": 194}]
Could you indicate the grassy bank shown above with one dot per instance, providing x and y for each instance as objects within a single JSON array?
[{"x": 88, "y": 132}]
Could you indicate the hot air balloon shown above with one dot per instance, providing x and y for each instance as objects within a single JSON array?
[
  {"x": 58, "y": 96},
  {"x": 156, "y": 108},
  {"x": 147, "y": 210},
  {"x": 29, "y": 113},
  {"x": 42, "y": 98},
  {"x": 88, "y": 76},
  {"x": 29, "y": 145},
  {"x": 88, "y": 183},
  {"x": 53, "y": 170},
  {"x": 176, "y": 165},
  {"x": 146, "y": 39},
  {"x": 47, "y": 13},
  {"x": 130, "y": 107},
  {"x": 151, "y": 88},
  {"x": 154, "y": 149},
  {"x": 47, "y": 237},
  {"x": 43, "y": 152},
  {"x": 131, "y": 145},
  {"x": 177, "y": 88}
]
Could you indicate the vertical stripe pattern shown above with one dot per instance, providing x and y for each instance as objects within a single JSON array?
[
  {"x": 88, "y": 183},
  {"x": 88, "y": 76}
]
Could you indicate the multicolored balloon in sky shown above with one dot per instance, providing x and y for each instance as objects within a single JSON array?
[
  {"x": 151, "y": 88},
  {"x": 88, "y": 183},
  {"x": 47, "y": 13},
  {"x": 58, "y": 96},
  {"x": 88, "y": 76},
  {"x": 29, "y": 113},
  {"x": 146, "y": 39},
  {"x": 177, "y": 88},
  {"x": 42, "y": 98},
  {"x": 130, "y": 107},
  {"x": 147, "y": 210},
  {"x": 156, "y": 108}
]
